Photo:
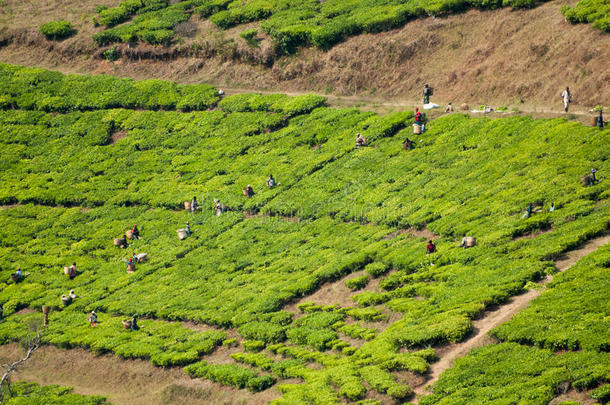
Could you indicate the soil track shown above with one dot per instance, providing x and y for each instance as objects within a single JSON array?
[{"x": 502, "y": 314}]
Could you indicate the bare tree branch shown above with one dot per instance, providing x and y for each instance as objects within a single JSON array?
[{"x": 32, "y": 346}]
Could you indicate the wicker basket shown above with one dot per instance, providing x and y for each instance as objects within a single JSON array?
[
  {"x": 470, "y": 241},
  {"x": 131, "y": 268},
  {"x": 129, "y": 234},
  {"x": 416, "y": 129},
  {"x": 593, "y": 120},
  {"x": 117, "y": 242},
  {"x": 187, "y": 205}
]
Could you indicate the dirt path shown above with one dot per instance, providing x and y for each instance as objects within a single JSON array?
[{"x": 502, "y": 314}]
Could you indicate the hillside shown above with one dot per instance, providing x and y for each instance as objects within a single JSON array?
[
  {"x": 519, "y": 58},
  {"x": 318, "y": 290}
]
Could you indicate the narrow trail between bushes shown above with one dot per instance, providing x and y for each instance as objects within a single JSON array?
[{"x": 502, "y": 314}]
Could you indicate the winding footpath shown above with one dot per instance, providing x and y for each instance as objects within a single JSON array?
[{"x": 502, "y": 314}]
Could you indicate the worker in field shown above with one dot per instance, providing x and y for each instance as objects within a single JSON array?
[
  {"x": 130, "y": 264},
  {"x": 566, "y": 98},
  {"x": 188, "y": 229},
  {"x": 123, "y": 242},
  {"x": 135, "y": 232},
  {"x": 218, "y": 207},
  {"x": 194, "y": 204},
  {"x": 528, "y": 211},
  {"x": 552, "y": 209},
  {"x": 427, "y": 93},
  {"x": 600, "y": 119},
  {"x": 248, "y": 191},
  {"x": 449, "y": 108},
  {"x": 430, "y": 247},
  {"x": 408, "y": 144},
  {"x": 360, "y": 140},
  {"x": 270, "y": 181},
  {"x": 19, "y": 274},
  {"x": 92, "y": 319},
  {"x": 418, "y": 116},
  {"x": 72, "y": 271},
  {"x": 134, "y": 323}
]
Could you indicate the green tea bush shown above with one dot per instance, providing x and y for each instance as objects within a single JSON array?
[
  {"x": 230, "y": 374},
  {"x": 56, "y": 30},
  {"x": 515, "y": 373},
  {"x": 357, "y": 283},
  {"x": 596, "y": 12},
  {"x": 376, "y": 269},
  {"x": 572, "y": 314},
  {"x": 602, "y": 394},
  {"x": 31, "y": 393},
  {"x": 253, "y": 345}
]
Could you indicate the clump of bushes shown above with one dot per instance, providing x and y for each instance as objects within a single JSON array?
[
  {"x": 357, "y": 283},
  {"x": 56, "y": 30}
]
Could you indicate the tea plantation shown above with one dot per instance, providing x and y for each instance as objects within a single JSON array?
[
  {"x": 79, "y": 170},
  {"x": 295, "y": 23}
]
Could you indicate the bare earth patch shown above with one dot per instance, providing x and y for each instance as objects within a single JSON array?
[{"x": 417, "y": 233}]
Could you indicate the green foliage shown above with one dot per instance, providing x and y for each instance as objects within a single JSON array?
[
  {"x": 32, "y": 393},
  {"x": 165, "y": 344},
  {"x": 253, "y": 345},
  {"x": 56, "y": 30},
  {"x": 230, "y": 374},
  {"x": 596, "y": 12},
  {"x": 357, "y": 283},
  {"x": 250, "y": 36},
  {"x": 38, "y": 89},
  {"x": 376, "y": 269},
  {"x": 112, "y": 54},
  {"x": 513, "y": 373},
  {"x": 602, "y": 394},
  {"x": 572, "y": 315},
  {"x": 95, "y": 170}
]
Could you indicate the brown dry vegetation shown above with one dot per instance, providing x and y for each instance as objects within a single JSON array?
[{"x": 504, "y": 57}]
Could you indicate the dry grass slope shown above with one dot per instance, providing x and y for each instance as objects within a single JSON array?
[{"x": 503, "y": 57}]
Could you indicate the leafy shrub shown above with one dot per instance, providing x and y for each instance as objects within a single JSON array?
[
  {"x": 253, "y": 345},
  {"x": 263, "y": 331},
  {"x": 112, "y": 54},
  {"x": 56, "y": 30},
  {"x": 357, "y": 283},
  {"x": 602, "y": 394},
  {"x": 376, "y": 269}
]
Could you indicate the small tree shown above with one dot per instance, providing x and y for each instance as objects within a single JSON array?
[{"x": 31, "y": 343}]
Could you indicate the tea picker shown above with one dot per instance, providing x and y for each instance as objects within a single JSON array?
[
  {"x": 70, "y": 271},
  {"x": 131, "y": 324},
  {"x": 468, "y": 241},
  {"x": 430, "y": 247},
  {"x": 528, "y": 211},
  {"x": 248, "y": 191},
  {"x": 135, "y": 232},
  {"x": 360, "y": 140},
  {"x": 92, "y": 319},
  {"x": 566, "y": 97},
  {"x": 270, "y": 181},
  {"x": 428, "y": 91},
  {"x": 589, "y": 179},
  {"x": 184, "y": 233}
]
